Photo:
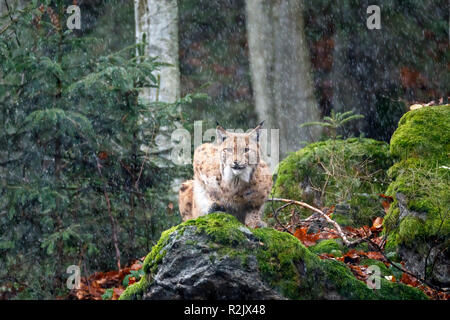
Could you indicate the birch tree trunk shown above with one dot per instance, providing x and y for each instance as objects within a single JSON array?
[
  {"x": 280, "y": 70},
  {"x": 157, "y": 25}
]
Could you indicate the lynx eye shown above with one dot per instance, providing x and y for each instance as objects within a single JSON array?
[{"x": 246, "y": 150}]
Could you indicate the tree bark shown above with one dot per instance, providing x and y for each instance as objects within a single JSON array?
[
  {"x": 280, "y": 69},
  {"x": 157, "y": 26}
]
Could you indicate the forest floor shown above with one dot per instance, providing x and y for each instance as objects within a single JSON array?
[{"x": 110, "y": 285}]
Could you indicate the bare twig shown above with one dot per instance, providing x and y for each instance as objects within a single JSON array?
[
  {"x": 136, "y": 184},
  {"x": 6, "y": 27},
  {"x": 423, "y": 281},
  {"x": 275, "y": 215},
  {"x": 338, "y": 231},
  {"x": 111, "y": 218},
  {"x": 323, "y": 215}
]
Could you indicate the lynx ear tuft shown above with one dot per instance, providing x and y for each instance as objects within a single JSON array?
[
  {"x": 255, "y": 132},
  {"x": 221, "y": 134}
]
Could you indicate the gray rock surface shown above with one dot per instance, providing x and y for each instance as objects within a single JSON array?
[
  {"x": 193, "y": 269},
  {"x": 438, "y": 258},
  {"x": 216, "y": 257}
]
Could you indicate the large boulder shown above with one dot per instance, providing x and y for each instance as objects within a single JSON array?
[
  {"x": 350, "y": 174},
  {"x": 216, "y": 257},
  {"x": 418, "y": 222}
]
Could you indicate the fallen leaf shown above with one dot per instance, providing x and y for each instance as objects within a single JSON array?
[
  {"x": 307, "y": 239},
  {"x": 117, "y": 292},
  {"x": 377, "y": 224},
  {"x": 131, "y": 280},
  {"x": 409, "y": 280},
  {"x": 103, "y": 155},
  {"x": 351, "y": 256},
  {"x": 364, "y": 232},
  {"x": 331, "y": 210},
  {"x": 326, "y": 256},
  {"x": 358, "y": 271},
  {"x": 375, "y": 255},
  {"x": 386, "y": 203},
  {"x": 390, "y": 278},
  {"x": 136, "y": 266}
]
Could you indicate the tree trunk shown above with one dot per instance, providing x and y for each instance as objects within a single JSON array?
[
  {"x": 280, "y": 69},
  {"x": 157, "y": 26}
]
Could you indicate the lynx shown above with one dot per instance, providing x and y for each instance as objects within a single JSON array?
[{"x": 229, "y": 176}]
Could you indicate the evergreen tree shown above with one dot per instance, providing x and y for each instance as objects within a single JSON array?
[{"x": 75, "y": 187}]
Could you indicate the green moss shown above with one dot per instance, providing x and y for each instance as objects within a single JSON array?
[
  {"x": 343, "y": 219},
  {"x": 396, "y": 291},
  {"x": 410, "y": 228},
  {"x": 423, "y": 133},
  {"x": 385, "y": 271},
  {"x": 350, "y": 172},
  {"x": 297, "y": 273},
  {"x": 283, "y": 262},
  {"x": 391, "y": 220},
  {"x": 150, "y": 266},
  {"x": 338, "y": 273},
  {"x": 360, "y": 247},
  {"x": 344, "y": 281},
  {"x": 136, "y": 290},
  {"x": 421, "y": 146},
  {"x": 424, "y": 183},
  {"x": 222, "y": 229},
  {"x": 157, "y": 254},
  {"x": 276, "y": 259},
  {"x": 327, "y": 246}
]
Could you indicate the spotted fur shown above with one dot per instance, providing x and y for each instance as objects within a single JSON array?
[{"x": 229, "y": 176}]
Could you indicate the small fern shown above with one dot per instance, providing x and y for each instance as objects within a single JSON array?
[{"x": 335, "y": 121}]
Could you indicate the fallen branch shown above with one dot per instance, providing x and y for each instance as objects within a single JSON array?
[
  {"x": 275, "y": 215},
  {"x": 323, "y": 215},
  {"x": 347, "y": 241}
]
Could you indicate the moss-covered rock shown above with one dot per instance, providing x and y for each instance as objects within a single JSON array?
[
  {"x": 347, "y": 173},
  {"x": 423, "y": 133},
  {"x": 226, "y": 260},
  {"x": 418, "y": 222},
  {"x": 330, "y": 246}
]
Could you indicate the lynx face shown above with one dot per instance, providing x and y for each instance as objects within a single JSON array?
[{"x": 239, "y": 154}]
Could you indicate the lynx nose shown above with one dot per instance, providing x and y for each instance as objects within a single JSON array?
[{"x": 236, "y": 165}]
